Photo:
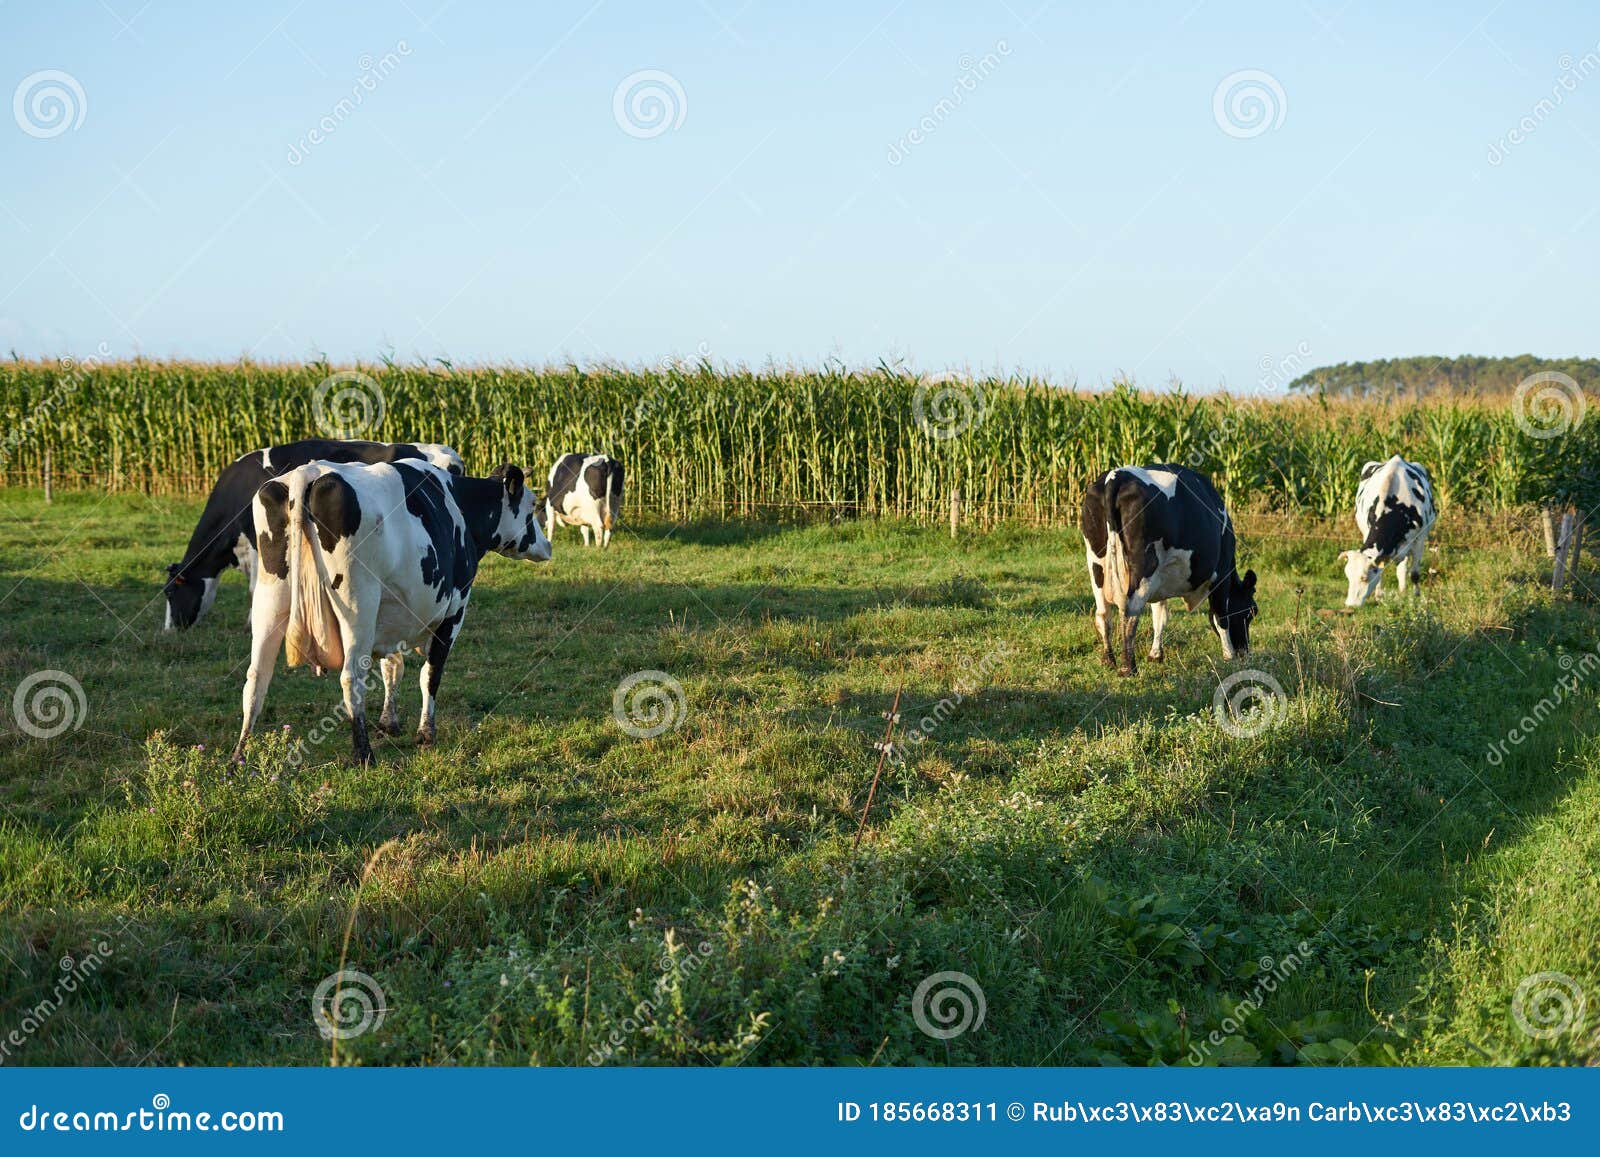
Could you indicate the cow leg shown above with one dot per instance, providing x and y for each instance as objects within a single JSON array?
[
  {"x": 550, "y": 521},
  {"x": 1158, "y": 624},
  {"x": 444, "y": 637},
  {"x": 394, "y": 666},
  {"x": 583, "y": 529},
  {"x": 1130, "y": 632},
  {"x": 1417, "y": 553},
  {"x": 269, "y": 622},
  {"x": 1102, "y": 615},
  {"x": 353, "y": 679},
  {"x": 249, "y": 562}
]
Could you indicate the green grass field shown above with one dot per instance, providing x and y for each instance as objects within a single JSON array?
[{"x": 1116, "y": 874}]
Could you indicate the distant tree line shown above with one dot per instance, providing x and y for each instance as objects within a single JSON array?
[{"x": 1418, "y": 377}]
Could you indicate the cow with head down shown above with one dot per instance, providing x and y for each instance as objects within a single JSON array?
[
  {"x": 1394, "y": 512},
  {"x": 368, "y": 561},
  {"x": 1155, "y": 533}
]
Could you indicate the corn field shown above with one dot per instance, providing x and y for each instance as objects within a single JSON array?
[{"x": 700, "y": 441}]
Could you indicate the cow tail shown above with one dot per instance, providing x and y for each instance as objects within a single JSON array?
[
  {"x": 1116, "y": 584},
  {"x": 314, "y": 636}
]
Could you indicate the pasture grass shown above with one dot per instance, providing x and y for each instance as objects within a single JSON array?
[{"x": 1119, "y": 875}]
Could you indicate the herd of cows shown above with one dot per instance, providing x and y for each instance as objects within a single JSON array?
[{"x": 357, "y": 551}]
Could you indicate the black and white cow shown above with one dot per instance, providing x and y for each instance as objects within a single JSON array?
[
  {"x": 1394, "y": 512},
  {"x": 364, "y": 560},
  {"x": 586, "y": 492},
  {"x": 1155, "y": 533},
  {"x": 225, "y": 536}
]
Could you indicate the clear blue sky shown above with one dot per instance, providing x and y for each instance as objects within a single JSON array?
[{"x": 1079, "y": 212}]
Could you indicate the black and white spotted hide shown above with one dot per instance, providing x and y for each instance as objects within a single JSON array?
[
  {"x": 371, "y": 561},
  {"x": 225, "y": 536},
  {"x": 1394, "y": 512},
  {"x": 1155, "y": 533},
  {"x": 585, "y": 491}
]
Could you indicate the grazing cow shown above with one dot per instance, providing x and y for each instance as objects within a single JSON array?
[
  {"x": 586, "y": 492},
  {"x": 1159, "y": 532},
  {"x": 225, "y": 536},
  {"x": 1395, "y": 512},
  {"x": 366, "y": 560}
]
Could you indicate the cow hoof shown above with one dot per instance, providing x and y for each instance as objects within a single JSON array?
[
  {"x": 424, "y": 739},
  {"x": 364, "y": 758},
  {"x": 1127, "y": 672},
  {"x": 389, "y": 726},
  {"x": 1107, "y": 661},
  {"x": 1158, "y": 656}
]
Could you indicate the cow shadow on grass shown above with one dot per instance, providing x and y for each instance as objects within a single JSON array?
[{"x": 1383, "y": 879}]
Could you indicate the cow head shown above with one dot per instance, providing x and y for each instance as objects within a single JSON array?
[
  {"x": 521, "y": 513},
  {"x": 1362, "y": 569},
  {"x": 1241, "y": 608},
  {"x": 187, "y": 598}
]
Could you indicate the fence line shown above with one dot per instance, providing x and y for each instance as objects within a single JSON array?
[{"x": 1494, "y": 525}]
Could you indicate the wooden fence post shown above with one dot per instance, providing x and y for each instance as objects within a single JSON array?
[
  {"x": 1577, "y": 546},
  {"x": 1558, "y": 574},
  {"x": 47, "y": 495},
  {"x": 955, "y": 510},
  {"x": 1548, "y": 517}
]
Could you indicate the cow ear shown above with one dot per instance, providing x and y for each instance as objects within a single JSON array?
[
  {"x": 172, "y": 568},
  {"x": 513, "y": 478},
  {"x": 1344, "y": 556},
  {"x": 1249, "y": 582}
]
